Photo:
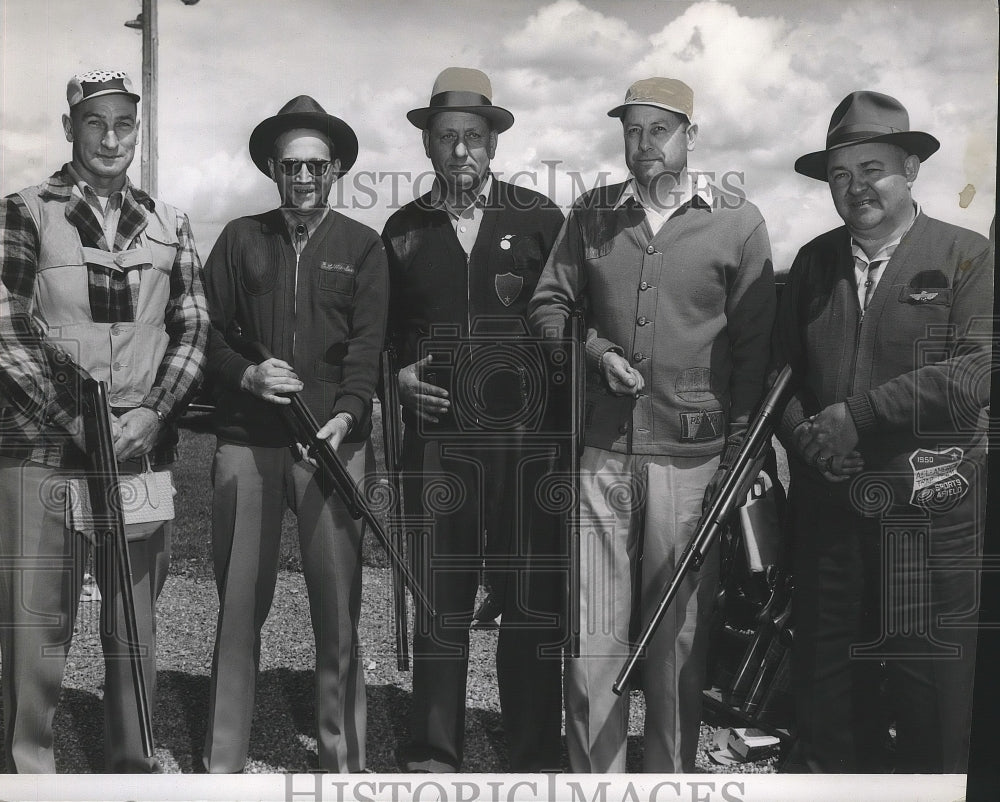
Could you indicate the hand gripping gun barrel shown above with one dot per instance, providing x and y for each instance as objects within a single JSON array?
[
  {"x": 728, "y": 497},
  {"x": 304, "y": 427},
  {"x": 112, "y": 545}
]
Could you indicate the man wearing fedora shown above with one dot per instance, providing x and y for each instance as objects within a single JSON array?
[
  {"x": 100, "y": 280},
  {"x": 463, "y": 262},
  {"x": 886, "y": 323},
  {"x": 310, "y": 285},
  {"x": 679, "y": 293}
]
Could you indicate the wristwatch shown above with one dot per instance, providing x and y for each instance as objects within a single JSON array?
[{"x": 349, "y": 418}]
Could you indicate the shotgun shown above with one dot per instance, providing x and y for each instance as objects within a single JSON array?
[
  {"x": 112, "y": 545},
  {"x": 731, "y": 493},
  {"x": 392, "y": 441},
  {"x": 303, "y": 426},
  {"x": 578, "y": 368}
]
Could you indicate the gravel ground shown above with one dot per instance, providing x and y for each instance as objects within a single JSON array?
[{"x": 283, "y": 736}]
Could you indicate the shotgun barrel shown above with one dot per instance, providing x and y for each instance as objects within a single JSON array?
[
  {"x": 112, "y": 544},
  {"x": 727, "y": 499},
  {"x": 392, "y": 443}
]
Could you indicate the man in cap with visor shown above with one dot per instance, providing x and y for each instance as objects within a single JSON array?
[
  {"x": 886, "y": 324},
  {"x": 679, "y": 295},
  {"x": 101, "y": 280},
  {"x": 309, "y": 284}
]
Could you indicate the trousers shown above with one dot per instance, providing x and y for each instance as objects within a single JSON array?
[
  {"x": 41, "y": 573},
  {"x": 252, "y": 487},
  {"x": 637, "y": 515}
]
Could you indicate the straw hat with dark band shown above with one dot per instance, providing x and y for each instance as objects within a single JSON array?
[
  {"x": 462, "y": 89},
  {"x": 303, "y": 112},
  {"x": 867, "y": 117}
]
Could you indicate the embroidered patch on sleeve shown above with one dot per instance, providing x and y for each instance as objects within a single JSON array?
[
  {"x": 706, "y": 425},
  {"x": 937, "y": 484}
]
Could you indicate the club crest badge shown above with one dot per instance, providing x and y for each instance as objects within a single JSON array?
[
  {"x": 508, "y": 286},
  {"x": 937, "y": 484}
]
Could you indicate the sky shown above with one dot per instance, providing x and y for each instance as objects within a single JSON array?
[{"x": 766, "y": 76}]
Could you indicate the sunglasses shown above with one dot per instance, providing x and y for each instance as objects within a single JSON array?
[{"x": 315, "y": 168}]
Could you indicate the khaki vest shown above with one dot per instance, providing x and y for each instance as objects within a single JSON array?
[{"x": 126, "y": 356}]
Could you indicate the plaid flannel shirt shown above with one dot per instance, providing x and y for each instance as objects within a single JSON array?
[{"x": 39, "y": 385}]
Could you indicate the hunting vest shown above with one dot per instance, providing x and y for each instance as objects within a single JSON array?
[{"x": 125, "y": 355}]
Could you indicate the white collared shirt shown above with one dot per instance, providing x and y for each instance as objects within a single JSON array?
[
  {"x": 466, "y": 222},
  {"x": 694, "y": 185},
  {"x": 870, "y": 270}
]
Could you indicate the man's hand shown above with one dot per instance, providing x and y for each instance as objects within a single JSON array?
[
  {"x": 134, "y": 433},
  {"x": 817, "y": 444},
  {"x": 620, "y": 376},
  {"x": 269, "y": 378},
  {"x": 830, "y": 433},
  {"x": 333, "y": 431},
  {"x": 427, "y": 400}
]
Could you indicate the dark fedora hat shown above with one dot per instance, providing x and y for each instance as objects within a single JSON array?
[
  {"x": 867, "y": 117},
  {"x": 304, "y": 112},
  {"x": 462, "y": 89}
]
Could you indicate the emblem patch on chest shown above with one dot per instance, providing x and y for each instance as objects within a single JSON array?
[
  {"x": 706, "y": 425},
  {"x": 337, "y": 267},
  {"x": 937, "y": 484},
  {"x": 508, "y": 286}
]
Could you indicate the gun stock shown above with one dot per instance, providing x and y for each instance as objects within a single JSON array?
[
  {"x": 733, "y": 490},
  {"x": 304, "y": 427},
  {"x": 112, "y": 545},
  {"x": 392, "y": 443}
]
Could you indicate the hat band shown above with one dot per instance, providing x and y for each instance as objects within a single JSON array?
[
  {"x": 453, "y": 99},
  {"x": 850, "y": 133},
  {"x": 91, "y": 87}
]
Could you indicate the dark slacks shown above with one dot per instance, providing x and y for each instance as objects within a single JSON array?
[
  {"x": 457, "y": 489},
  {"x": 883, "y": 633}
]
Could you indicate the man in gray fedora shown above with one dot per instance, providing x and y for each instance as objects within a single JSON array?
[
  {"x": 886, "y": 323},
  {"x": 463, "y": 262},
  {"x": 310, "y": 285},
  {"x": 679, "y": 298}
]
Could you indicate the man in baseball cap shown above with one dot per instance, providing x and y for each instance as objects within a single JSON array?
[
  {"x": 679, "y": 293},
  {"x": 113, "y": 284},
  {"x": 887, "y": 323}
]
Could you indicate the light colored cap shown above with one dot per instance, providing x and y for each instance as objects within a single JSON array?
[
  {"x": 664, "y": 93},
  {"x": 96, "y": 83}
]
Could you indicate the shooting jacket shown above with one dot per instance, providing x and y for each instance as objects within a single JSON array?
[
  {"x": 145, "y": 338},
  {"x": 323, "y": 313},
  {"x": 913, "y": 369},
  {"x": 690, "y": 307}
]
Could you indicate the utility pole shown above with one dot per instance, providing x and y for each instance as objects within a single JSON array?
[{"x": 147, "y": 23}]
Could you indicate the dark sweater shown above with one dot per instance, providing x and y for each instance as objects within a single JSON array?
[
  {"x": 914, "y": 370},
  {"x": 443, "y": 304},
  {"x": 330, "y": 329}
]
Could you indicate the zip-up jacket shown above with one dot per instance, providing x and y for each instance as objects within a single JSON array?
[{"x": 322, "y": 311}]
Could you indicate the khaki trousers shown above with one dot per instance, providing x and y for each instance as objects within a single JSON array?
[
  {"x": 638, "y": 514},
  {"x": 41, "y": 571},
  {"x": 252, "y": 487}
]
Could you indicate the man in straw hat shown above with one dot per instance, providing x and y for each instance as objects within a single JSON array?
[
  {"x": 680, "y": 300},
  {"x": 100, "y": 280},
  {"x": 886, "y": 322},
  {"x": 463, "y": 262},
  {"x": 310, "y": 285}
]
